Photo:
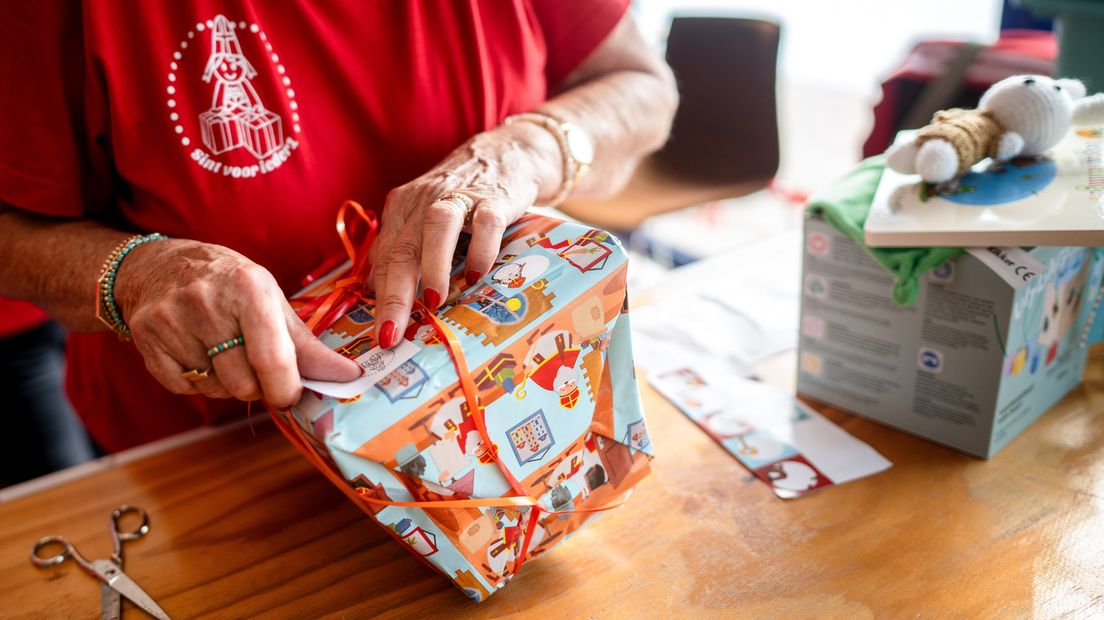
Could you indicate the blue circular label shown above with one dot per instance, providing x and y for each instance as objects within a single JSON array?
[{"x": 1003, "y": 183}]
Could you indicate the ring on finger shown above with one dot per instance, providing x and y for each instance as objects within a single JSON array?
[
  {"x": 225, "y": 346},
  {"x": 196, "y": 375},
  {"x": 205, "y": 381},
  {"x": 462, "y": 200}
]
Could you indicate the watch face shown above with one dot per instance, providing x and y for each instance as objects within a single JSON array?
[{"x": 578, "y": 144}]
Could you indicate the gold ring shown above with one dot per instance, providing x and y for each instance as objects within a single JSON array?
[
  {"x": 195, "y": 374},
  {"x": 464, "y": 201}
]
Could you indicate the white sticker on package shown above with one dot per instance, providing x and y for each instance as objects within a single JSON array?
[
  {"x": 377, "y": 364},
  {"x": 1013, "y": 265}
]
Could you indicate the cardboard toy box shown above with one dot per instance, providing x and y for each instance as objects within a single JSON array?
[
  {"x": 545, "y": 337},
  {"x": 970, "y": 365}
]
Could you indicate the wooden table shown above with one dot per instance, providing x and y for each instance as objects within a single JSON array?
[{"x": 242, "y": 526}]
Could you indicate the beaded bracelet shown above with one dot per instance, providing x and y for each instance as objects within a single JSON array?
[{"x": 107, "y": 310}]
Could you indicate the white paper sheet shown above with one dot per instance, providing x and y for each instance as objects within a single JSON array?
[
  {"x": 782, "y": 441},
  {"x": 733, "y": 310}
]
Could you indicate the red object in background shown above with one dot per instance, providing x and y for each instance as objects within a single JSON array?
[
  {"x": 168, "y": 116},
  {"x": 17, "y": 317},
  {"x": 1015, "y": 52}
]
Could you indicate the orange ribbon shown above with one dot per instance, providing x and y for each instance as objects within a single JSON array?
[{"x": 321, "y": 311}]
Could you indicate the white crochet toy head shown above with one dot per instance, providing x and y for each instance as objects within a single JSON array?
[
  {"x": 1022, "y": 115},
  {"x": 1036, "y": 107}
]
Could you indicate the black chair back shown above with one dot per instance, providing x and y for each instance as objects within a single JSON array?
[{"x": 726, "y": 127}]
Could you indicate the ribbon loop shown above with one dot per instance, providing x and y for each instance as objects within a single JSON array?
[{"x": 321, "y": 311}]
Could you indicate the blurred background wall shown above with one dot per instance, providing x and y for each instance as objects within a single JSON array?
[{"x": 832, "y": 57}]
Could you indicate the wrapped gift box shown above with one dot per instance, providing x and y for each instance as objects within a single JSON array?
[
  {"x": 545, "y": 340},
  {"x": 970, "y": 365},
  {"x": 262, "y": 132},
  {"x": 221, "y": 130}
]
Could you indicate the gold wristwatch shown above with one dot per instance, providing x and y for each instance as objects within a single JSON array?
[{"x": 575, "y": 146}]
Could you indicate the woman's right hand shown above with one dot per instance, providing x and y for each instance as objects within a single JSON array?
[{"x": 182, "y": 297}]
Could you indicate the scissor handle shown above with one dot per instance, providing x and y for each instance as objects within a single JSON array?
[
  {"x": 67, "y": 551},
  {"x": 118, "y": 536},
  {"x": 136, "y": 533}
]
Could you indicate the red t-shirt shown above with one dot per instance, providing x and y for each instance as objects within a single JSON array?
[
  {"x": 17, "y": 317},
  {"x": 246, "y": 124}
]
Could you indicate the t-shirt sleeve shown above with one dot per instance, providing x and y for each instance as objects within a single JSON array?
[
  {"x": 573, "y": 29},
  {"x": 50, "y": 161},
  {"x": 17, "y": 317}
]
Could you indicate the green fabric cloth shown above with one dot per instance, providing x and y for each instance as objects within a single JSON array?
[{"x": 845, "y": 203}]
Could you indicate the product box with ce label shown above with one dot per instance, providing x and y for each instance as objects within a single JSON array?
[{"x": 979, "y": 356}]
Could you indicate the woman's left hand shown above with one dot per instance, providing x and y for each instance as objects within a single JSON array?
[
  {"x": 503, "y": 171},
  {"x": 623, "y": 95}
]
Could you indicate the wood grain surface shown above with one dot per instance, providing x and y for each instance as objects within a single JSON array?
[{"x": 242, "y": 526}]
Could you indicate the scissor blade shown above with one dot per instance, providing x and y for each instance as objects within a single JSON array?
[
  {"x": 126, "y": 586},
  {"x": 111, "y": 603}
]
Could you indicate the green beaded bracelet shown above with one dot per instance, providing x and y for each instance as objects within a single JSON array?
[
  {"x": 106, "y": 308},
  {"x": 226, "y": 346}
]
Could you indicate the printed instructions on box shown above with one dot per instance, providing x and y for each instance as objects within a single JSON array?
[{"x": 932, "y": 369}]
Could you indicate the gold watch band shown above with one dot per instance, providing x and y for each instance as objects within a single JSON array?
[{"x": 573, "y": 168}]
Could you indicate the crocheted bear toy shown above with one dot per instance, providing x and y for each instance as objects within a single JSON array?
[{"x": 1023, "y": 115}]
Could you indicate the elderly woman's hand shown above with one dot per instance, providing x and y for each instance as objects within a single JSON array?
[
  {"x": 622, "y": 95},
  {"x": 182, "y": 297},
  {"x": 503, "y": 171}
]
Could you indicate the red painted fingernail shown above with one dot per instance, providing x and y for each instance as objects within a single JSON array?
[
  {"x": 432, "y": 298},
  {"x": 387, "y": 334},
  {"x": 472, "y": 276}
]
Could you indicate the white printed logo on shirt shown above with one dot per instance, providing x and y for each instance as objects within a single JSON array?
[{"x": 240, "y": 137}]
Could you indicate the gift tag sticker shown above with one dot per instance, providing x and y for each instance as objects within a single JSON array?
[
  {"x": 377, "y": 364},
  {"x": 1013, "y": 265}
]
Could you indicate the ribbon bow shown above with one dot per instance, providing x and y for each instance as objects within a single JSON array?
[{"x": 321, "y": 311}]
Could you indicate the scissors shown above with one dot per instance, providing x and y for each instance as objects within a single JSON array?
[{"x": 115, "y": 584}]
